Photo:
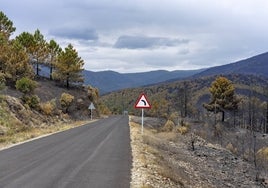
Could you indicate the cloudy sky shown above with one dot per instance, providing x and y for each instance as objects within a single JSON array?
[{"x": 145, "y": 35}]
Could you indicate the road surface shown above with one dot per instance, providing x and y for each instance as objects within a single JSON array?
[{"x": 96, "y": 155}]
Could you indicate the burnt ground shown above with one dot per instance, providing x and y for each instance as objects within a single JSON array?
[
  {"x": 166, "y": 159},
  {"x": 49, "y": 90}
]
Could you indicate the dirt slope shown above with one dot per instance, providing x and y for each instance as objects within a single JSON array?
[{"x": 167, "y": 160}]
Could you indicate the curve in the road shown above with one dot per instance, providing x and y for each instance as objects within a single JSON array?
[{"x": 94, "y": 155}]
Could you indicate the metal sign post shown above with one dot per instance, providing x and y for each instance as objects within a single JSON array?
[
  {"x": 142, "y": 103},
  {"x": 142, "y": 113},
  {"x": 91, "y": 107}
]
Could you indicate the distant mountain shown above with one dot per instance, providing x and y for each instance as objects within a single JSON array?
[
  {"x": 108, "y": 81},
  {"x": 250, "y": 77},
  {"x": 257, "y": 65},
  {"x": 168, "y": 95}
]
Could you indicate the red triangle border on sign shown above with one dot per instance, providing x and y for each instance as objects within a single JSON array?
[{"x": 142, "y": 95}]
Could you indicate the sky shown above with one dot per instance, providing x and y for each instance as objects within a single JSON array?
[{"x": 145, "y": 35}]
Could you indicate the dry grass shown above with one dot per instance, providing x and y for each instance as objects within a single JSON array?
[
  {"x": 169, "y": 125},
  {"x": 170, "y": 162},
  {"x": 169, "y": 136},
  {"x": 146, "y": 186},
  {"x": 152, "y": 156},
  {"x": 169, "y": 173},
  {"x": 182, "y": 130},
  {"x": 231, "y": 148},
  {"x": 160, "y": 145},
  {"x": 48, "y": 107},
  {"x": 31, "y": 133}
]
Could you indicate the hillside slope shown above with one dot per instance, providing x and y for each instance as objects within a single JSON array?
[
  {"x": 49, "y": 109},
  {"x": 257, "y": 65},
  {"x": 166, "y": 159},
  {"x": 166, "y": 97},
  {"x": 108, "y": 81}
]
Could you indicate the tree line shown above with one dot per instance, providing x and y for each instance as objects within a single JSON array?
[{"x": 22, "y": 56}]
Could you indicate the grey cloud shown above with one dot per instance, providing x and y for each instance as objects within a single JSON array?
[
  {"x": 75, "y": 33},
  {"x": 220, "y": 31},
  {"x": 137, "y": 42},
  {"x": 183, "y": 51}
]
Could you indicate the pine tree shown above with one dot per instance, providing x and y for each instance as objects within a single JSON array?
[
  {"x": 40, "y": 52},
  {"x": 6, "y": 25},
  {"x": 17, "y": 63},
  {"x": 35, "y": 46},
  {"x": 69, "y": 67},
  {"x": 53, "y": 51},
  {"x": 222, "y": 96},
  {"x": 4, "y": 44},
  {"x": 14, "y": 61},
  {"x": 6, "y": 29}
]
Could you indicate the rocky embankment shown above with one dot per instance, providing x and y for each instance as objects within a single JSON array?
[{"x": 167, "y": 160}]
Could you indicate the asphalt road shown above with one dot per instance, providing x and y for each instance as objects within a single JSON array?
[{"x": 96, "y": 155}]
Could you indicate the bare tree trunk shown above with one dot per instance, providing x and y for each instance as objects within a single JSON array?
[
  {"x": 185, "y": 100},
  {"x": 234, "y": 118},
  {"x": 67, "y": 81},
  {"x": 51, "y": 71},
  {"x": 266, "y": 124},
  {"x": 254, "y": 156}
]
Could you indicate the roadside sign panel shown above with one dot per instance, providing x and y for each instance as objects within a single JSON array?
[
  {"x": 142, "y": 102},
  {"x": 91, "y": 106}
]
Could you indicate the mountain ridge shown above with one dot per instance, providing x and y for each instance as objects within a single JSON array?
[
  {"x": 255, "y": 65},
  {"x": 108, "y": 81}
]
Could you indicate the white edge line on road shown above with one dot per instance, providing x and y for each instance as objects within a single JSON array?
[{"x": 42, "y": 136}]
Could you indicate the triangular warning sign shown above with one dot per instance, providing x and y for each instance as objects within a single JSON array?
[
  {"x": 91, "y": 107},
  {"x": 142, "y": 102}
]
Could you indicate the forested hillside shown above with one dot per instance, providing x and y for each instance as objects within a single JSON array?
[
  {"x": 108, "y": 81},
  {"x": 231, "y": 111},
  {"x": 22, "y": 56},
  {"x": 167, "y": 98},
  {"x": 27, "y": 99},
  {"x": 257, "y": 65}
]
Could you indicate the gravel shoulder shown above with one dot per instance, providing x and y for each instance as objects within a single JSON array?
[{"x": 166, "y": 159}]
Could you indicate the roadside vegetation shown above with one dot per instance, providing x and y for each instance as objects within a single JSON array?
[
  {"x": 31, "y": 104},
  {"x": 15, "y": 135},
  {"x": 230, "y": 112},
  {"x": 18, "y": 122}
]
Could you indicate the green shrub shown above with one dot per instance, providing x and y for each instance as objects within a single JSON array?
[
  {"x": 93, "y": 93},
  {"x": 32, "y": 101},
  {"x": 26, "y": 85},
  {"x": 2, "y": 81},
  {"x": 66, "y": 100}
]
